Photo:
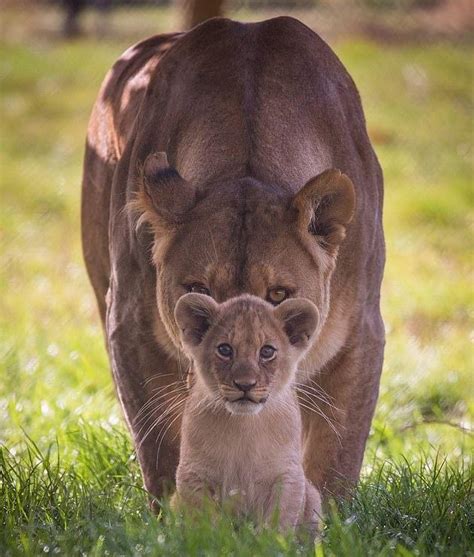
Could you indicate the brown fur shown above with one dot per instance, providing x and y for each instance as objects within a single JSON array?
[
  {"x": 241, "y": 428},
  {"x": 227, "y": 138}
]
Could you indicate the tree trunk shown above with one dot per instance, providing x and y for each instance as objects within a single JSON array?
[
  {"x": 73, "y": 9},
  {"x": 197, "y": 11}
]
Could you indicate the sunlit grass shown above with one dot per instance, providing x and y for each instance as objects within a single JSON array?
[
  {"x": 74, "y": 486},
  {"x": 87, "y": 497}
]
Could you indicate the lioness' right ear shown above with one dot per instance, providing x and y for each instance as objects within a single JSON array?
[
  {"x": 194, "y": 314},
  {"x": 164, "y": 197}
]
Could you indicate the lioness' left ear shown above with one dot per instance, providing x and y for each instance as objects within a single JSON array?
[
  {"x": 194, "y": 314},
  {"x": 325, "y": 206},
  {"x": 300, "y": 319},
  {"x": 164, "y": 197}
]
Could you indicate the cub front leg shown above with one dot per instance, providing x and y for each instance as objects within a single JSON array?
[
  {"x": 192, "y": 491},
  {"x": 311, "y": 518},
  {"x": 334, "y": 444},
  {"x": 287, "y": 499}
]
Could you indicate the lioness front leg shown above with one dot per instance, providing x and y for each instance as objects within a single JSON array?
[
  {"x": 151, "y": 388},
  {"x": 334, "y": 444}
]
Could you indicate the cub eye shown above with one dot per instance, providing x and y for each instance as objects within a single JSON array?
[
  {"x": 225, "y": 351},
  {"x": 198, "y": 288},
  {"x": 267, "y": 352},
  {"x": 276, "y": 295}
]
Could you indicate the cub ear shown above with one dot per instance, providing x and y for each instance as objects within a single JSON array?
[
  {"x": 194, "y": 314},
  {"x": 325, "y": 206},
  {"x": 164, "y": 197},
  {"x": 300, "y": 318}
]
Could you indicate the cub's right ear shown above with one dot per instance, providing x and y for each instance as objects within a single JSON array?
[
  {"x": 164, "y": 197},
  {"x": 194, "y": 314},
  {"x": 300, "y": 318}
]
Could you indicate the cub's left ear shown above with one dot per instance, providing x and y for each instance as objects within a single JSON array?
[
  {"x": 194, "y": 314},
  {"x": 325, "y": 206},
  {"x": 300, "y": 319}
]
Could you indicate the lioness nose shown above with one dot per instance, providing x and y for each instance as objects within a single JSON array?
[{"x": 245, "y": 387}]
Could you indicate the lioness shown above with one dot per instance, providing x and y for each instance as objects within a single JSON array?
[
  {"x": 241, "y": 428},
  {"x": 230, "y": 136}
]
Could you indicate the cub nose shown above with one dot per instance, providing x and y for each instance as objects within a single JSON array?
[{"x": 245, "y": 387}]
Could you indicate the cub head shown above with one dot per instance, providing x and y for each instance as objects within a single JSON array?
[{"x": 245, "y": 351}]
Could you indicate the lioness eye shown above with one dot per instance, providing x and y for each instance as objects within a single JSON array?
[
  {"x": 267, "y": 352},
  {"x": 199, "y": 289},
  {"x": 277, "y": 295},
  {"x": 225, "y": 351}
]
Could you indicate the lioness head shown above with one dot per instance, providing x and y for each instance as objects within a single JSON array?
[
  {"x": 245, "y": 351},
  {"x": 242, "y": 236}
]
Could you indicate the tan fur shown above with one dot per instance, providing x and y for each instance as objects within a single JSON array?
[
  {"x": 249, "y": 456},
  {"x": 226, "y": 139}
]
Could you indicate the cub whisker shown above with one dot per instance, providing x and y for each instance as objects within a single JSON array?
[
  {"x": 174, "y": 404},
  {"x": 154, "y": 409},
  {"x": 178, "y": 415},
  {"x": 318, "y": 411},
  {"x": 156, "y": 376},
  {"x": 156, "y": 397},
  {"x": 312, "y": 394}
]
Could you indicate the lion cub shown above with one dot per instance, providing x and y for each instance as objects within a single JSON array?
[{"x": 241, "y": 428}]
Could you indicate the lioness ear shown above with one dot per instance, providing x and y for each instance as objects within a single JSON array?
[
  {"x": 326, "y": 205},
  {"x": 300, "y": 319},
  {"x": 164, "y": 197},
  {"x": 194, "y": 314}
]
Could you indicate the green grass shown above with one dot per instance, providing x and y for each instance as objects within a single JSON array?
[
  {"x": 69, "y": 483},
  {"x": 88, "y": 498}
]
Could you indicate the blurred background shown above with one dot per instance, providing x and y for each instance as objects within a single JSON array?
[{"x": 412, "y": 62}]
